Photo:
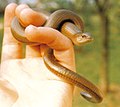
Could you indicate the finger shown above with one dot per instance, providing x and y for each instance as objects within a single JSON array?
[
  {"x": 63, "y": 47},
  {"x": 27, "y": 17},
  {"x": 32, "y": 51},
  {"x": 49, "y": 36},
  {"x": 11, "y": 49},
  {"x": 43, "y": 47}
]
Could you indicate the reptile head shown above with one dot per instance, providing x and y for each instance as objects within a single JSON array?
[{"x": 82, "y": 38}]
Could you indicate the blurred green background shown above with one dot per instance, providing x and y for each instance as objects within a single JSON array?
[{"x": 98, "y": 61}]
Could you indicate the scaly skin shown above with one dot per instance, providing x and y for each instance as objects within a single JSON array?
[{"x": 71, "y": 26}]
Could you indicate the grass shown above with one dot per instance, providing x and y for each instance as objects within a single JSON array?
[
  {"x": 110, "y": 100},
  {"x": 88, "y": 60}
]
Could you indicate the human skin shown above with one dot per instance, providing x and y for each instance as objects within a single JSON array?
[{"x": 24, "y": 80}]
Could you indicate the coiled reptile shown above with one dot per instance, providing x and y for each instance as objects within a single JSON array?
[{"x": 71, "y": 26}]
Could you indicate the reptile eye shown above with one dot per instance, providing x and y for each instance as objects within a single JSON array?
[{"x": 83, "y": 36}]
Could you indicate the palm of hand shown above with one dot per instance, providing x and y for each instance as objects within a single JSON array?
[
  {"x": 27, "y": 82},
  {"x": 33, "y": 83}
]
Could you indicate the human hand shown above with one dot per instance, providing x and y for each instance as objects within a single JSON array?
[{"x": 25, "y": 81}]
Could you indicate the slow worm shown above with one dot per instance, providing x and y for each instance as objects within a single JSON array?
[{"x": 71, "y": 25}]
